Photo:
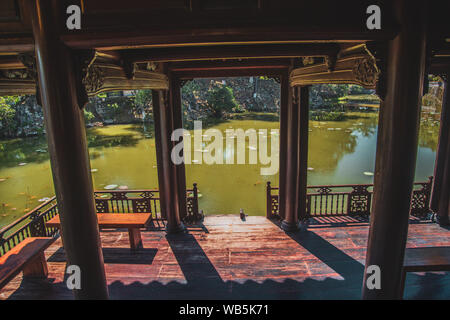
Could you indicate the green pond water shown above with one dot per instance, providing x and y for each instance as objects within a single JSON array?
[{"x": 339, "y": 153}]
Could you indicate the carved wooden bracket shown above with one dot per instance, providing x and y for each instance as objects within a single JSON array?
[
  {"x": 129, "y": 68},
  {"x": 29, "y": 61},
  {"x": 355, "y": 65},
  {"x": 83, "y": 63},
  {"x": 380, "y": 51}
]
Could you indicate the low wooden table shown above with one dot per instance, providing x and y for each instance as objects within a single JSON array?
[
  {"x": 132, "y": 221},
  {"x": 423, "y": 260}
]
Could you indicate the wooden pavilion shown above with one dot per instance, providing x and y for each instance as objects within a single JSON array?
[{"x": 158, "y": 45}]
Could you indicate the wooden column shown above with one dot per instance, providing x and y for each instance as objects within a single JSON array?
[
  {"x": 177, "y": 116},
  {"x": 284, "y": 103},
  {"x": 440, "y": 197},
  {"x": 66, "y": 135},
  {"x": 171, "y": 195},
  {"x": 290, "y": 221},
  {"x": 397, "y": 149},
  {"x": 302, "y": 152}
]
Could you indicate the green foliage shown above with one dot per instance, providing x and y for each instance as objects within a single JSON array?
[
  {"x": 143, "y": 98},
  {"x": 88, "y": 116},
  {"x": 326, "y": 116},
  {"x": 8, "y": 106},
  {"x": 356, "y": 99},
  {"x": 220, "y": 100}
]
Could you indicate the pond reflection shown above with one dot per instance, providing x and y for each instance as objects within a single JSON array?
[{"x": 340, "y": 152}]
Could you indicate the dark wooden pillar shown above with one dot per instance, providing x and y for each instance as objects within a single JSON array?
[
  {"x": 290, "y": 221},
  {"x": 284, "y": 102},
  {"x": 177, "y": 116},
  {"x": 66, "y": 135},
  {"x": 169, "y": 175},
  {"x": 397, "y": 149},
  {"x": 440, "y": 197},
  {"x": 303, "y": 131}
]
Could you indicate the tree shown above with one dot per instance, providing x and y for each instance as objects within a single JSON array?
[
  {"x": 219, "y": 100},
  {"x": 7, "y": 111}
]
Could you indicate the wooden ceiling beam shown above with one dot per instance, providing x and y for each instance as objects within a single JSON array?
[
  {"x": 229, "y": 64},
  {"x": 230, "y": 52},
  {"x": 10, "y": 62},
  {"x": 226, "y": 73},
  {"x": 16, "y": 44}
]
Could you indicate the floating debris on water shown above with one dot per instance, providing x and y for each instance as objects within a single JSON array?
[
  {"x": 310, "y": 169},
  {"x": 330, "y": 129},
  {"x": 338, "y": 129},
  {"x": 44, "y": 199},
  {"x": 2, "y": 179},
  {"x": 94, "y": 170},
  {"x": 22, "y": 163},
  {"x": 111, "y": 186},
  {"x": 123, "y": 188},
  {"x": 368, "y": 173}
]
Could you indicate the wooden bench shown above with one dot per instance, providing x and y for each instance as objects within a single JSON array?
[
  {"x": 132, "y": 221},
  {"x": 423, "y": 260},
  {"x": 28, "y": 256}
]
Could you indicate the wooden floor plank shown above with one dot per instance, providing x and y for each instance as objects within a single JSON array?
[{"x": 234, "y": 259}]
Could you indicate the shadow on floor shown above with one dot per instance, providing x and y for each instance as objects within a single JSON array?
[
  {"x": 115, "y": 256},
  {"x": 203, "y": 281}
]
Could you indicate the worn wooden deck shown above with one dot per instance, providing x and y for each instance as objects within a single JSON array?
[{"x": 230, "y": 258}]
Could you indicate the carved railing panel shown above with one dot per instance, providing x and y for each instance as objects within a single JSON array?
[
  {"x": 359, "y": 201},
  {"x": 193, "y": 214},
  {"x": 128, "y": 201},
  {"x": 349, "y": 200},
  {"x": 420, "y": 199},
  {"x": 31, "y": 224}
]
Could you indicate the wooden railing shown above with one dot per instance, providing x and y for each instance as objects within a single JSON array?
[
  {"x": 32, "y": 224},
  {"x": 348, "y": 200}
]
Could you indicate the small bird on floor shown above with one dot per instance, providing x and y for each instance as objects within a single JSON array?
[{"x": 242, "y": 214}]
